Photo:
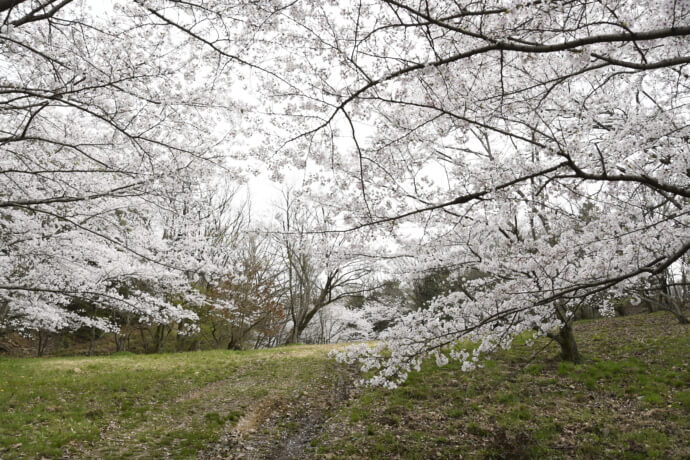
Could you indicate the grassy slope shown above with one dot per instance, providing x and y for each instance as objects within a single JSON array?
[
  {"x": 630, "y": 399},
  {"x": 148, "y": 405}
]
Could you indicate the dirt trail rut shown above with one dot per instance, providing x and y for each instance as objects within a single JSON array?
[{"x": 283, "y": 428}]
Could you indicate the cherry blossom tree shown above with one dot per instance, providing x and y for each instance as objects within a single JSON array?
[
  {"x": 318, "y": 268},
  {"x": 544, "y": 144},
  {"x": 541, "y": 144},
  {"x": 106, "y": 131}
]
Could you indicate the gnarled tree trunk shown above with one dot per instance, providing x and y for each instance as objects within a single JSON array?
[{"x": 566, "y": 339}]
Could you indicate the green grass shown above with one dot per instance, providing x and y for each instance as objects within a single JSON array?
[
  {"x": 629, "y": 399},
  {"x": 134, "y": 405}
]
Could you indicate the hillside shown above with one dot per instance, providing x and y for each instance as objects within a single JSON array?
[{"x": 630, "y": 399}]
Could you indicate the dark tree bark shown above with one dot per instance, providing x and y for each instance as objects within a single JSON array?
[
  {"x": 92, "y": 340},
  {"x": 7, "y": 4},
  {"x": 43, "y": 340},
  {"x": 566, "y": 339},
  {"x": 234, "y": 343}
]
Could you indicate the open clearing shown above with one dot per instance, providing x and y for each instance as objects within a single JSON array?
[{"x": 630, "y": 399}]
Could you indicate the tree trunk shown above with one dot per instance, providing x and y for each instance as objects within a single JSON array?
[
  {"x": 299, "y": 325},
  {"x": 92, "y": 340},
  {"x": 293, "y": 336},
  {"x": 236, "y": 340},
  {"x": 120, "y": 342},
  {"x": 302, "y": 323},
  {"x": 682, "y": 319},
  {"x": 159, "y": 335},
  {"x": 233, "y": 345},
  {"x": 566, "y": 339},
  {"x": 43, "y": 338},
  {"x": 122, "y": 336}
]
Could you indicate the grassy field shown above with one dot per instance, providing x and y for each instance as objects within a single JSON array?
[
  {"x": 152, "y": 406},
  {"x": 630, "y": 399}
]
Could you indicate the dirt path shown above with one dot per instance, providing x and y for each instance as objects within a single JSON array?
[
  {"x": 284, "y": 427},
  {"x": 264, "y": 404}
]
